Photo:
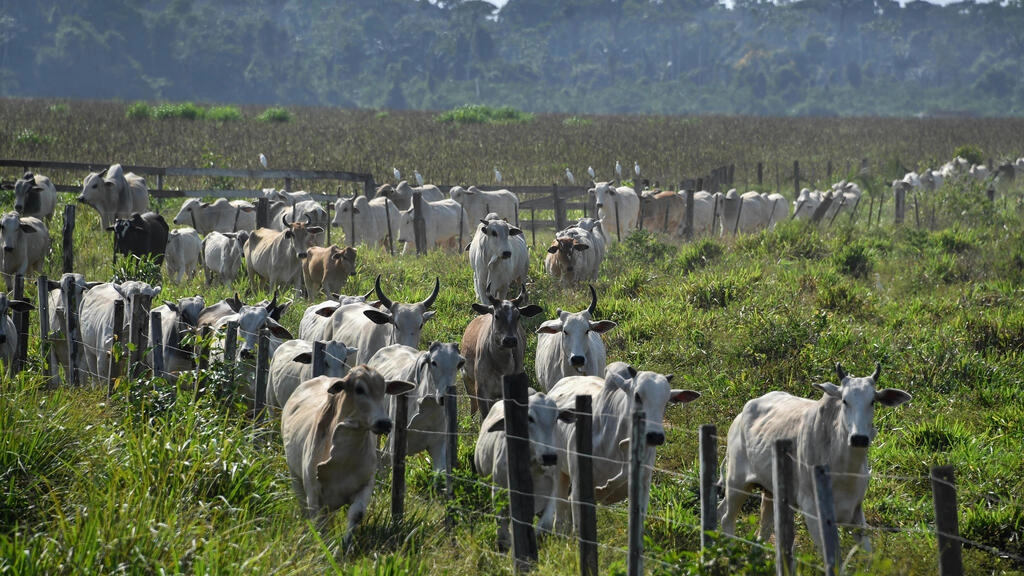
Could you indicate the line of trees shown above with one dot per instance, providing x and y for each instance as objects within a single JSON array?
[{"x": 808, "y": 57}]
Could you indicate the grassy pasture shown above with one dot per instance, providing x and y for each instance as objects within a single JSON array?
[{"x": 157, "y": 480}]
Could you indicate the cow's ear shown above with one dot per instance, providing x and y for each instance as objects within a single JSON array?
[
  {"x": 315, "y": 230},
  {"x": 530, "y": 311},
  {"x": 20, "y": 306},
  {"x": 110, "y": 228},
  {"x": 498, "y": 426},
  {"x": 172, "y": 306},
  {"x": 52, "y": 284},
  {"x": 355, "y": 210},
  {"x": 429, "y": 314},
  {"x": 395, "y": 387},
  {"x": 553, "y": 248},
  {"x": 468, "y": 246},
  {"x": 550, "y": 327},
  {"x": 481, "y": 309},
  {"x": 337, "y": 386},
  {"x": 288, "y": 233},
  {"x": 377, "y": 316},
  {"x": 89, "y": 285},
  {"x": 337, "y": 256},
  {"x": 891, "y": 397},
  {"x": 567, "y": 416},
  {"x": 602, "y": 326},
  {"x": 303, "y": 358},
  {"x": 279, "y": 331},
  {"x": 683, "y": 396},
  {"x": 326, "y": 311},
  {"x": 829, "y": 388},
  {"x": 579, "y": 246},
  {"x": 513, "y": 231}
]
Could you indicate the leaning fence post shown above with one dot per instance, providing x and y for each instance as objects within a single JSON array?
[
  {"x": 827, "y": 518},
  {"x": 68, "y": 240},
  {"x": 116, "y": 347},
  {"x": 21, "y": 320},
  {"x": 708, "y": 492},
  {"x": 560, "y": 215},
  {"x": 900, "y": 196},
  {"x": 156, "y": 338},
  {"x": 72, "y": 330},
  {"x": 618, "y": 223},
  {"x": 398, "y": 450},
  {"x": 451, "y": 455},
  {"x": 584, "y": 486},
  {"x": 43, "y": 309},
  {"x": 785, "y": 496},
  {"x": 520, "y": 482},
  {"x": 637, "y": 448},
  {"x": 262, "y": 372},
  {"x": 231, "y": 349},
  {"x": 387, "y": 219},
  {"x": 947, "y": 525},
  {"x": 688, "y": 199}
]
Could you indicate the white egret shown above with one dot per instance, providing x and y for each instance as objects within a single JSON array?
[
  {"x": 590, "y": 170},
  {"x": 398, "y": 175},
  {"x": 636, "y": 167},
  {"x": 569, "y": 177},
  {"x": 263, "y": 160},
  {"x": 497, "y": 175},
  {"x": 618, "y": 169},
  {"x": 419, "y": 178}
]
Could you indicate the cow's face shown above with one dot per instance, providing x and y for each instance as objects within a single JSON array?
[
  {"x": 26, "y": 194},
  {"x": 505, "y": 329},
  {"x": 406, "y": 232},
  {"x": 603, "y": 193},
  {"x": 336, "y": 358},
  {"x": 188, "y": 211},
  {"x": 362, "y": 407},
  {"x": 408, "y": 321},
  {"x": 442, "y": 362},
  {"x": 856, "y": 409},
  {"x": 300, "y": 238},
  {"x": 495, "y": 234},
  {"x": 574, "y": 330},
  {"x": 11, "y": 231},
  {"x": 652, "y": 392},
  {"x": 542, "y": 416},
  {"x": 344, "y": 209}
]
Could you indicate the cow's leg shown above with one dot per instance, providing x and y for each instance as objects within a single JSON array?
[
  {"x": 809, "y": 504},
  {"x": 561, "y": 503},
  {"x": 438, "y": 455},
  {"x": 862, "y": 534},
  {"x": 767, "y": 527},
  {"x": 730, "y": 506},
  {"x": 547, "y": 517},
  {"x": 356, "y": 510},
  {"x": 504, "y": 520}
]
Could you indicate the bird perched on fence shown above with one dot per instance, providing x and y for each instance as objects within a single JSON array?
[
  {"x": 636, "y": 167},
  {"x": 419, "y": 178},
  {"x": 618, "y": 169},
  {"x": 263, "y": 160},
  {"x": 569, "y": 177},
  {"x": 590, "y": 170},
  {"x": 398, "y": 175},
  {"x": 497, "y": 175}
]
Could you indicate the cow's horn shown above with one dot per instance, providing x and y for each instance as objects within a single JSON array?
[
  {"x": 521, "y": 299},
  {"x": 877, "y": 372},
  {"x": 433, "y": 295},
  {"x": 380, "y": 294},
  {"x": 840, "y": 372},
  {"x": 284, "y": 220},
  {"x": 308, "y": 220},
  {"x": 592, "y": 309},
  {"x": 273, "y": 301},
  {"x": 104, "y": 171}
]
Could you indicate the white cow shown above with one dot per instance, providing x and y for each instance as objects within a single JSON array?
[
  {"x": 292, "y": 364},
  {"x": 184, "y": 250},
  {"x": 574, "y": 255},
  {"x": 370, "y": 328},
  {"x": 316, "y": 323},
  {"x": 309, "y": 211},
  {"x": 615, "y": 397},
  {"x": 97, "y": 322},
  {"x": 571, "y": 345},
  {"x": 663, "y": 211},
  {"x": 434, "y": 372},
  {"x": 222, "y": 255},
  {"x": 598, "y": 236},
  {"x": 751, "y": 212},
  {"x": 24, "y": 244},
  {"x": 59, "y": 293},
  {"x": 218, "y": 216},
  {"x": 35, "y": 195},
  {"x": 834, "y": 431},
  {"x": 479, "y": 203},
  {"x": 114, "y": 194},
  {"x": 274, "y": 257},
  {"x": 499, "y": 258},
  {"x": 329, "y": 427},
  {"x": 490, "y": 458},
  {"x": 618, "y": 208},
  {"x": 288, "y": 198},
  {"x": 845, "y": 198},
  {"x": 365, "y": 221},
  {"x": 442, "y": 222},
  {"x": 401, "y": 195},
  {"x": 707, "y": 213},
  {"x": 8, "y": 331},
  {"x": 177, "y": 321}
]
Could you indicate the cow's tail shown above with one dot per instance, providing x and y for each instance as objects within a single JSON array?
[{"x": 720, "y": 483}]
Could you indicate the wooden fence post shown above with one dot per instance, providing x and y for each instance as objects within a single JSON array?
[
  {"x": 68, "y": 238},
  {"x": 900, "y": 197},
  {"x": 262, "y": 373},
  {"x": 796, "y": 178},
  {"x": 116, "y": 347},
  {"x": 352, "y": 220},
  {"x": 559, "y": 204},
  {"x": 137, "y": 331},
  {"x": 760, "y": 174},
  {"x": 785, "y": 498},
  {"x": 451, "y": 456},
  {"x": 637, "y": 447},
  {"x": 584, "y": 486},
  {"x": 947, "y": 525},
  {"x": 262, "y": 212},
  {"x": 21, "y": 320},
  {"x": 829, "y": 536},
  {"x": 391, "y": 233},
  {"x": 319, "y": 358},
  {"x": 708, "y": 492},
  {"x": 156, "y": 337},
  {"x": 419, "y": 224},
  {"x": 520, "y": 482},
  {"x": 398, "y": 453},
  {"x": 688, "y": 199},
  {"x": 72, "y": 330},
  {"x": 231, "y": 349},
  {"x": 43, "y": 309}
]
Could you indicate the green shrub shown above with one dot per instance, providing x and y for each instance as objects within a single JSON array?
[
  {"x": 132, "y": 267},
  {"x": 854, "y": 260},
  {"x": 970, "y": 153},
  {"x": 30, "y": 137},
  {"x": 480, "y": 114},
  {"x": 139, "y": 111},
  {"x": 224, "y": 113},
  {"x": 182, "y": 111},
  {"x": 276, "y": 114}
]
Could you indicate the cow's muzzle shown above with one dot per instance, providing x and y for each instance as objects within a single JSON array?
[
  {"x": 549, "y": 459},
  {"x": 577, "y": 361},
  {"x": 655, "y": 438},
  {"x": 302, "y": 255},
  {"x": 506, "y": 254},
  {"x": 8, "y": 248},
  {"x": 599, "y": 205},
  {"x": 859, "y": 441},
  {"x": 509, "y": 342},
  {"x": 382, "y": 426}
]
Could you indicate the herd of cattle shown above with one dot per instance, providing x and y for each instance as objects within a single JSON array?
[{"x": 330, "y": 422}]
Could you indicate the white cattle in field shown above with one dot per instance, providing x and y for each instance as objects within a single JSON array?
[
  {"x": 434, "y": 372},
  {"x": 329, "y": 428},
  {"x": 59, "y": 293},
  {"x": 24, "y": 244},
  {"x": 618, "y": 208},
  {"x": 366, "y": 221},
  {"x": 316, "y": 323},
  {"x": 401, "y": 195},
  {"x": 114, "y": 194},
  {"x": 955, "y": 167},
  {"x": 292, "y": 364},
  {"x": 284, "y": 196},
  {"x": 494, "y": 344},
  {"x": 979, "y": 172},
  {"x": 309, "y": 211},
  {"x": 574, "y": 256},
  {"x": 615, "y": 397},
  {"x": 97, "y": 322},
  {"x": 274, "y": 257},
  {"x": 663, "y": 211},
  {"x": 479, "y": 203},
  {"x": 707, "y": 213},
  {"x": 370, "y": 328},
  {"x": 442, "y": 222},
  {"x": 222, "y": 255},
  {"x": 35, "y": 195},
  {"x": 751, "y": 212},
  {"x": 490, "y": 458},
  {"x": 807, "y": 203},
  {"x": 499, "y": 258},
  {"x": 8, "y": 331},
  {"x": 251, "y": 320},
  {"x": 834, "y": 431},
  {"x": 595, "y": 226},
  {"x": 845, "y": 199},
  {"x": 217, "y": 216},
  {"x": 184, "y": 250},
  {"x": 571, "y": 345},
  {"x": 178, "y": 320},
  {"x": 931, "y": 179}
]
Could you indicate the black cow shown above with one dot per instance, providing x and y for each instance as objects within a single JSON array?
[{"x": 142, "y": 235}]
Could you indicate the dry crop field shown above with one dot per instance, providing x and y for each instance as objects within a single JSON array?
[{"x": 159, "y": 479}]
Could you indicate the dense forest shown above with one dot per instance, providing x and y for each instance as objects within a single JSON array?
[{"x": 809, "y": 57}]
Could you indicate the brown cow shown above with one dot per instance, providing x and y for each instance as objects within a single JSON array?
[{"x": 327, "y": 269}]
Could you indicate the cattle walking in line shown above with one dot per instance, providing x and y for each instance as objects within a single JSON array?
[
  {"x": 34, "y": 195},
  {"x": 96, "y": 314},
  {"x": 292, "y": 364},
  {"x": 401, "y": 194},
  {"x": 273, "y": 258},
  {"x": 366, "y": 221},
  {"x": 479, "y": 203},
  {"x": 835, "y": 431},
  {"x": 615, "y": 397},
  {"x": 494, "y": 344},
  {"x": 143, "y": 235},
  {"x": 184, "y": 251},
  {"x": 24, "y": 244},
  {"x": 222, "y": 256},
  {"x": 618, "y": 208},
  {"x": 571, "y": 345},
  {"x": 490, "y": 458},
  {"x": 327, "y": 269},
  {"x": 444, "y": 221},
  {"x": 220, "y": 215},
  {"x": 114, "y": 194},
  {"x": 499, "y": 258},
  {"x": 329, "y": 428},
  {"x": 433, "y": 372},
  {"x": 8, "y": 331}
]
